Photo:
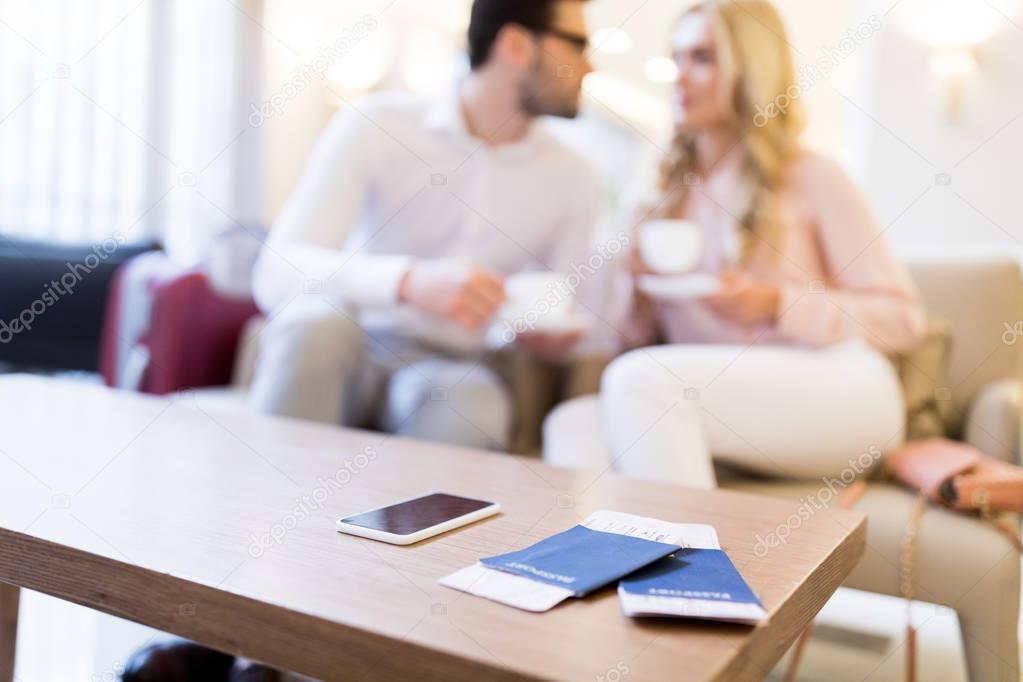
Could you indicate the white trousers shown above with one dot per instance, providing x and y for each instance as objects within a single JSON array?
[
  {"x": 779, "y": 411},
  {"x": 315, "y": 362}
]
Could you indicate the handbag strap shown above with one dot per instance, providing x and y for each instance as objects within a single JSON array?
[
  {"x": 907, "y": 583},
  {"x": 907, "y": 565}
]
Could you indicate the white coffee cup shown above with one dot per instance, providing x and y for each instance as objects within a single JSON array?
[
  {"x": 670, "y": 247},
  {"x": 536, "y": 298}
]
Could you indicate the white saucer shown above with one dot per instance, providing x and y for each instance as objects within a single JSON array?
[
  {"x": 501, "y": 332},
  {"x": 679, "y": 287},
  {"x": 574, "y": 321}
]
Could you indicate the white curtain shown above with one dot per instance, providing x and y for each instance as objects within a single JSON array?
[{"x": 129, "y": 117}]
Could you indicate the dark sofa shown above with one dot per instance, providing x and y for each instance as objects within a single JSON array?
[{"x": 52, "y": 298}]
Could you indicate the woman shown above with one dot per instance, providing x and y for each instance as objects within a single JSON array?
[{"x": 781, "y": 370}]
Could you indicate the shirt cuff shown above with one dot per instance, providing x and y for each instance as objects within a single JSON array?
[{"x": 374, "y": 283}]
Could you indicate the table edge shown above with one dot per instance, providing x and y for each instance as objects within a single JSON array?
[
  {"x": 299, "y": 642},
  {"x": 795, "y": 612}
]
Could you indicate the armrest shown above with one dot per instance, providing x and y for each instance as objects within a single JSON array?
[
  {"x": 124, "y": 358},
  {"x": 168, "y": 328},
  {"x": 993, "y": 421},
  {"x": 193, "y": 334},
  {"x": 248, "y": 352}
]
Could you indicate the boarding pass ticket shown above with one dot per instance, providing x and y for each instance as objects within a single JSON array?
[{"x": 531, "y": 595}]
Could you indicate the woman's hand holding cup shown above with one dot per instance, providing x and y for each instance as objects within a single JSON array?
[
  {"x": 669, "y": 247},
  {"x": 745, "y": 300}
]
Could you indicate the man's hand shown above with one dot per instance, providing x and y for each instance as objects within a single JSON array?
[
  {"x": 453, "y": 291},
  {"x": 745, "y": 300},
  {"x": 547, "y": 346}
]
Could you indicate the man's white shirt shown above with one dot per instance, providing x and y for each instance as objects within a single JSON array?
[{"x": 397, "y": 178}]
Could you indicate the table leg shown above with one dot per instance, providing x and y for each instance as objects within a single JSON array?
[{"x": 9, "y": 597}]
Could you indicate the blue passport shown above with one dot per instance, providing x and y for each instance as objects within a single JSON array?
[
  {"x": 580, "y": 559},
  {"x": 695, "y": 583}
]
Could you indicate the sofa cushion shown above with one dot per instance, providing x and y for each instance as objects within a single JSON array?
[
  {"x": 922, "y": 373},
  {"x": 981, "y": 297}
]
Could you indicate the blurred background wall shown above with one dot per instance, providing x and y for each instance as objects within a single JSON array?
[
  {"x": 177, "y": 120},
  {"x": 937, "y": 171}
]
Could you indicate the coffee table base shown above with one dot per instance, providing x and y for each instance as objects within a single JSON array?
[{"x": 9, "y": 599}]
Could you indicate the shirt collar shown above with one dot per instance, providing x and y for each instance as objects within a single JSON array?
[{"x": 445, "y": 115}]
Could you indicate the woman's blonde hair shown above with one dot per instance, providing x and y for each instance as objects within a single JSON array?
[{"x": 755, "y": 60}]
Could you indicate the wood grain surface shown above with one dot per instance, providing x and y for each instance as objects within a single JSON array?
[{"x": 219, "y": 526}]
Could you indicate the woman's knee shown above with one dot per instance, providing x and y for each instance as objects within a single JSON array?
[
  {"x": 571, "y": 419},
  {"x": 873, "y": 388},
  {"x": 633, "y": 370}
]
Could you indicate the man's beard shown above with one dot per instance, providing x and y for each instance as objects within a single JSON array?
[{"x": 534, "y": 101}]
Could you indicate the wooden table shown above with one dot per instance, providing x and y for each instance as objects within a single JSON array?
[{"x": 219, "y": 527}]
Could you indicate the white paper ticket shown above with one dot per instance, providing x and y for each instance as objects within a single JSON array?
[
  {"x": 531, "y": 595},
  {"x": 507, "y": 588},
  {"x": 688, "y": 535}
]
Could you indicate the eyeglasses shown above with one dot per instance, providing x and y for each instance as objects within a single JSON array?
[{"x": 580, "y": 42}]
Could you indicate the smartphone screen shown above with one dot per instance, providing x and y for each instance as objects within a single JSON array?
[{"x": 415, "y": 515}]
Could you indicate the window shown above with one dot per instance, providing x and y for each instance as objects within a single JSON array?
[{"x": 129, "y": 116}]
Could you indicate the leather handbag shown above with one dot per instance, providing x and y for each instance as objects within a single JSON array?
[{"x": 958, "y": 476}]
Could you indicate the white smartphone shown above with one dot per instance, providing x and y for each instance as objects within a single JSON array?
[{"x": 417, "y": 518}]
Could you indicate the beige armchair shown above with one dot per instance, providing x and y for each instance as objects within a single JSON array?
[{"x": 961, "y": 562}]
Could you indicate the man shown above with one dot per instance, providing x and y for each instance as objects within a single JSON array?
[{"x": 388, "y": 263}]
